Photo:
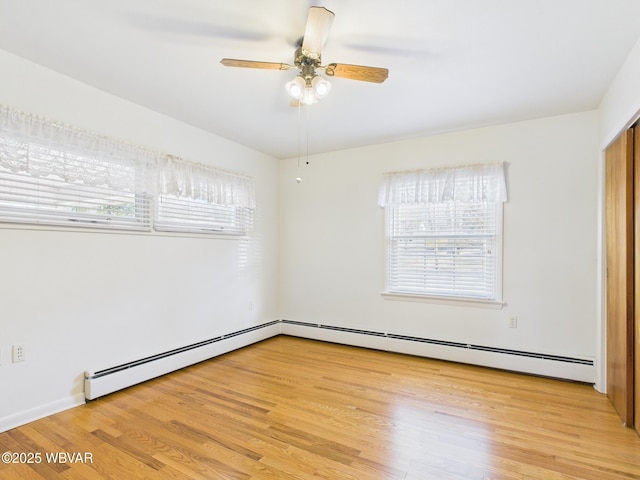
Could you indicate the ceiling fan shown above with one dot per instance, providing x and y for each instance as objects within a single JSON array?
[{"x": 308, "y": 86}]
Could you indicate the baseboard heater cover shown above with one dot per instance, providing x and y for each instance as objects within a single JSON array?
[
  {"x": 558, "y": 366},
  {"x": 102, "y": 382}
]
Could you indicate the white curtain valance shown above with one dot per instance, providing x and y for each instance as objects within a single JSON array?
[
  {"x": 41, "y": 148},
  {"x": 469, "y": 184},
  {"x": 200, "y": 182}
]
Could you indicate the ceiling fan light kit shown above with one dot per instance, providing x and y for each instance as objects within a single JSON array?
[
  {"x": 308, "y": 86},
  {"x": 308, "y": 90}
]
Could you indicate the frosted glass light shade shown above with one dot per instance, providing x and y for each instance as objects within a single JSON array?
[
  {"x": 308, "y": 96},
  {"x": 321, "y": 87},
  {"x": 296, "y": 88}
]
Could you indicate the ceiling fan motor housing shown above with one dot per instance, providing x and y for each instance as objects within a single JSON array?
[{"x": 306, "y": 63}]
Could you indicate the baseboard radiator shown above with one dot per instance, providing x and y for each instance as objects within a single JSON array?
[
  {"x": 556, "y": 366},
  {"x": 108, "y": 380}
]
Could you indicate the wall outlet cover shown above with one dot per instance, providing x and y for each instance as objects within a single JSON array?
[{"x": 18, "y": 353}]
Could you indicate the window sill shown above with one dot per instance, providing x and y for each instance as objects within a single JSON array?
[
  {"x": 467, "y": 302},
  {"x": 120, "y": 231}
]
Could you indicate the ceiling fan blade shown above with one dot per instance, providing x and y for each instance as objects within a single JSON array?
[
  {"x": 232, "y": 62},
  {"x": 357, "y": 72},
  {"x": 315, "y": 34}
]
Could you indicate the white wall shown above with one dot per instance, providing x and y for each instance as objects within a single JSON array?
[
  {"x": 332, "y": 237},
  {"x": 86, "y": 300},
  {"x": 620, "y": 106}
]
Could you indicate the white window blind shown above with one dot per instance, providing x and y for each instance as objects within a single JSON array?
[
  {"x": 195, "y": 198},
  {"x": 444, "y": 230},
  {"x": 181, "y": 214},
  {"x": 443, "y": 249},
  {"x": 51, "y": 174},
  {"x": 51, "y": 201}
]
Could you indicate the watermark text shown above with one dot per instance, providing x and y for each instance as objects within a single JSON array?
[{"x": 47, "y": 457}]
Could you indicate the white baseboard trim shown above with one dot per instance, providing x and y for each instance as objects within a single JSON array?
[
  {"x": 41, "y": 411},
  {"x": 98, "y": 383},
  {"x": 555, "y": 366}
]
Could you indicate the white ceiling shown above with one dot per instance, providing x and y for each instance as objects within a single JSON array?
[{"x": 453, "y": 64}]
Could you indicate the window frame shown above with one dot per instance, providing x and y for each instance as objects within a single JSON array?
[{"x": 390, "y": 293}]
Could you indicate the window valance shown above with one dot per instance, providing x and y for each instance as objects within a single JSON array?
[
  {"x": 209, "y": 185},
  {"x": 52, "y": 173},
  {"x": 41, "y": 148},
  {"x": 474, "y": 183}
]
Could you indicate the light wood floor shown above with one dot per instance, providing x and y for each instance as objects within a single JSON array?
[{"x": 289, "y": 408}]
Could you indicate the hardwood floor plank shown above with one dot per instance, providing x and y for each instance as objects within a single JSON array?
[{"x": 289, "y": 408}]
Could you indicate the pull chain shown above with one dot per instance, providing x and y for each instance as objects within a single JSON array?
[{"x": 299, "y": 178}]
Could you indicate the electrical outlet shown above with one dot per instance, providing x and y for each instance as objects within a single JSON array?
[
  {"x": 513, "y": 321},
  {"x": 19, "y": 353}
]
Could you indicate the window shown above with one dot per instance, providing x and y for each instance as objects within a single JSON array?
[
  {"x": 444, "y": 232},
  {"x": 52, "y": 174},
  {"x": 51, "y": 201},
  {"x": 195, "y": 198},
  {"x": 180, "y": 214}
]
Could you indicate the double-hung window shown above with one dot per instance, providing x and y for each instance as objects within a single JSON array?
[{"x": 444, "y": 232}]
